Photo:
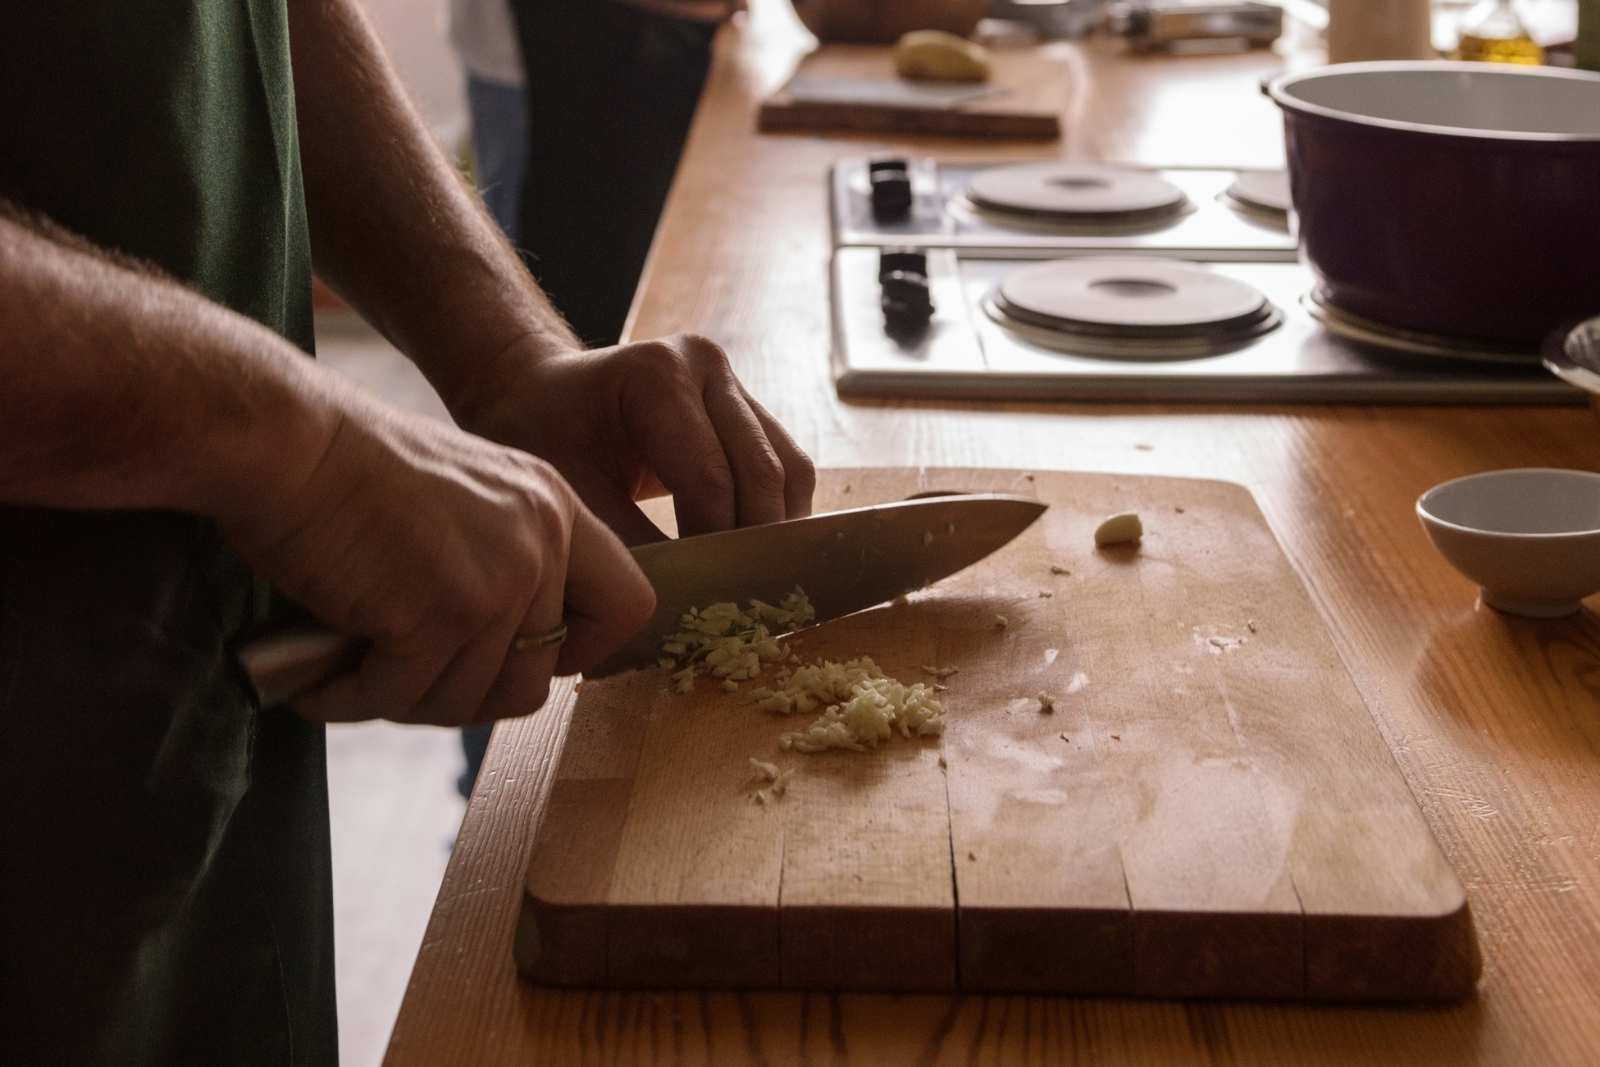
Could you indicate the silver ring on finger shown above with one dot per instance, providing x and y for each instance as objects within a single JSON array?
[{"x": 553, "y": 636}]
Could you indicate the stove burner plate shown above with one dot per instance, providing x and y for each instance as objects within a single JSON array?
[
  {"x": 1131, "y": 225},
  {"x": 1131, "y": 308},
  {"x": 1129, "y": 295},
  {"x": 1409, "y": 342},
  {"x": 1265, "y": 191},
  {"x": 1129, "y": 349},
  {"x": 1064, "y": 192}
]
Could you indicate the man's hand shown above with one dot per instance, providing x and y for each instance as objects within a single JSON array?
[
  {"x": 408, "y": 244},
  {"x": 405, "y": 242},
  {"x": 643, "y": 419},
  {"x": 437, "y": 546},
  {"x": 441, "y": 548}
]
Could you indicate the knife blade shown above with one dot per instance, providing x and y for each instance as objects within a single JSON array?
[{"x": 845, "y": 561}]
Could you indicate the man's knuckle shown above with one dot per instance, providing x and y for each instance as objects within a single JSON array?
[
  {"x": 548, "y": 533},
  {"x": 539, "y": 484},
  {"x": 644, "y": 606},
  {"x": 706, "y": 352},
  {"x": 476, "y": 601},
  {"x": 534, "y": 468},
  {"x": 767, "y": 472},
  {"x": 395, "y": 628},
  {"x": 658, "y": 355},
  {"x": 677, "y": 376},
  {"x": 802, "y": 473},
  {"x": 716, "y": 475}
]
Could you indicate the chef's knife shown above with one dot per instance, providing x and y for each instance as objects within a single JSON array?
[{"x": 844, "y": 561}]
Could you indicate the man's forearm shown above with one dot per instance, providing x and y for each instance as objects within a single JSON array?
[
  {"x": 394, "y": 228},
  {"x": 120, "y": 389}
]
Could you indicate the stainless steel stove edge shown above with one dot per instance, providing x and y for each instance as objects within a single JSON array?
[
  {"x": 937, "y": 222},
  {"x": 950, "y": 362}
]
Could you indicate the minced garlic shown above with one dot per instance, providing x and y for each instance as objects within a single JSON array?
[
  {"x": 859, "y": 705},
  {"x": 725, "y": 642},
  {"x": 777, "y": 781}
]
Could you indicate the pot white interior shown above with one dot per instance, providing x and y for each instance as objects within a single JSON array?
[{"x": 1534, "y": 104}]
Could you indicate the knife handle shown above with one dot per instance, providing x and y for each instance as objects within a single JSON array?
[
  {"x": 284, "y": 664},
  {"x": 288, "y": 663}
]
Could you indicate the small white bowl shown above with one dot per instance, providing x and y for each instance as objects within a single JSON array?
[{"x": 1530, "y": 537}]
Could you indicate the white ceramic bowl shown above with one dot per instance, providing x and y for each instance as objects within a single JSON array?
[{"x": 1530, "y": 537}]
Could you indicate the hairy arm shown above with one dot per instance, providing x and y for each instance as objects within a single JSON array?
[
  {"x": 394, "y": 227},
  {"x": 120, "y": 389}
]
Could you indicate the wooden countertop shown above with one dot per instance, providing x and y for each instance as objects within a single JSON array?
[{"x": 1494, "y": 721}]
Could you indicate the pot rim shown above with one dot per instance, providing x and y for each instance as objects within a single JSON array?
[{"x": 1278, "y": 88}]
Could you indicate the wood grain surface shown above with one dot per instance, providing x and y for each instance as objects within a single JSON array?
[
  {"x": 1029, "y": 97},
  {"x": 1207, "y": 808},
  {"x": 1493, "y": 720}
]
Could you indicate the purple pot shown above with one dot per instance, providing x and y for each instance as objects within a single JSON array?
[{"x": 1460, "y": 199}]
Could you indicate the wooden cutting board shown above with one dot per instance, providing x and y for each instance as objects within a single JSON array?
[
  {"x": 1208, "y": 811},
  {"x": 1029, "y": 99}
]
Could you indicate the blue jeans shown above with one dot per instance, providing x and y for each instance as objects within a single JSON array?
[{"x": 500, "y": 145}]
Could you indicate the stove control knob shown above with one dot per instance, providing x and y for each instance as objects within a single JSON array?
[
  {"x": 904, "y": 259},
  {"x": 891, "y": 189},
  {"x": 907, "y": 301}
]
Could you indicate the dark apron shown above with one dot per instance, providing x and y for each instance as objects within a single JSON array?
[{"x": 165, "y": 892}]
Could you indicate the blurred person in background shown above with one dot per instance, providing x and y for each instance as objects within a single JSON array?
[
  {"x": 579, "y": 116},
  {"x": 612, "y": 88},
  {"x": 485, "y": 42}
]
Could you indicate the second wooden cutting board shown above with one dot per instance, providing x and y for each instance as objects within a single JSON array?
[
  {"x": 1025, "y": 100},
  {"x": 1209, "y": 810}
]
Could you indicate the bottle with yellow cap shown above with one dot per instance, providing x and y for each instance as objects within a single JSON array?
[{"x": 1493, "y": 32}]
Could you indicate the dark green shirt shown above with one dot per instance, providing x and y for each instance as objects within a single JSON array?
[{"x": 164, "y": 888}]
